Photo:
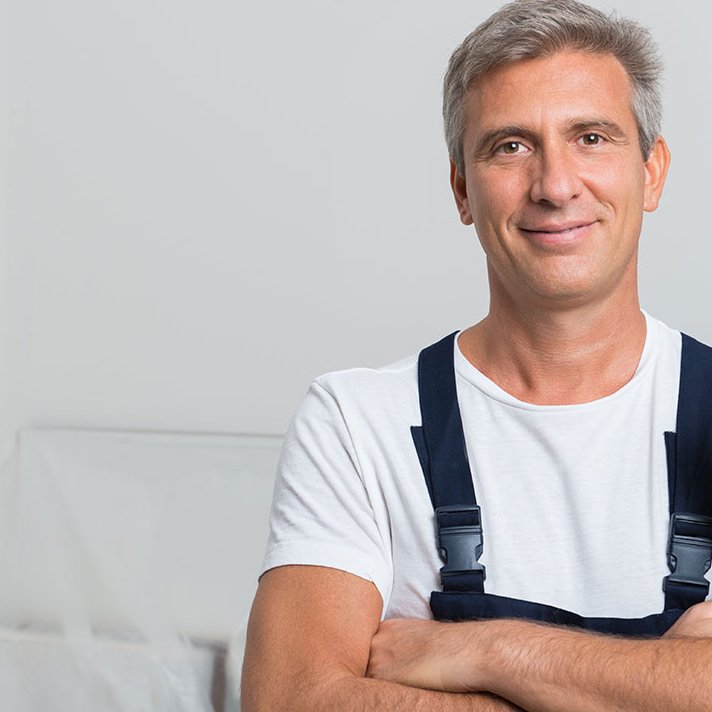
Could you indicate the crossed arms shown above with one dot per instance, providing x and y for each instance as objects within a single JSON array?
[
  {"x": 308, "y": 646},
  {"x": 315, "y": 644}
]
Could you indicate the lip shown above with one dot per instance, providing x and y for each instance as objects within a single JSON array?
[{"x": 558, "y": 233}]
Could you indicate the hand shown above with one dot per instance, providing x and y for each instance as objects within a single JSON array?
[
  {"x": 695, "y": 622},
  {"x": 428, "y": 654}
]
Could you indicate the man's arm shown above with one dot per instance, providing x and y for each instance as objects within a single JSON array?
[
  {"x": 308, "y": 645},
  {"x": 552, "y": 668}
]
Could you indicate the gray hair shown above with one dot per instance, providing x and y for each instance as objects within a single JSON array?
[{"x": 528, "y": 29}]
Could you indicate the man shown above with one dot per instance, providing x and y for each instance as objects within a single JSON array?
[{"x": 568, "y": 399}]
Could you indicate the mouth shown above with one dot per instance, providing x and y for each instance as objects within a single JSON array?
[{"x": 558, "y": 234}]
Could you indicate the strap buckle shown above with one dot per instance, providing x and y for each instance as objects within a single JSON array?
[
  {"x": 689, "y": 550},
  {"x": 460, "y": 542}
]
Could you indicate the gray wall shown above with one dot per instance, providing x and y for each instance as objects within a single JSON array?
[
  {"x": 211, "y": 202},
  {"x": 6, "y": 429}
]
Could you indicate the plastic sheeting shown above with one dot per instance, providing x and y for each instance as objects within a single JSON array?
[{"x": 129, "y": 562}]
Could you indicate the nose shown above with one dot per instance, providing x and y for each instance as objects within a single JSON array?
[{"x": 556, "y": 180}]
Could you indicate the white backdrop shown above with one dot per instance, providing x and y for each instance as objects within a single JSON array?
[
  {"x": 209, "y": 203},
  {"x": 5, "y": 425}
]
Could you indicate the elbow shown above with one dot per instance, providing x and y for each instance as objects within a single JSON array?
[{"x": 306, "y": 694}]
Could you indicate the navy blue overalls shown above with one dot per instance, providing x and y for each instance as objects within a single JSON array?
[{"x": 440, "y": 444}]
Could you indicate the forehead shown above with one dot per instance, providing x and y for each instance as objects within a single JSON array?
[{"x": 560, "y": 87}]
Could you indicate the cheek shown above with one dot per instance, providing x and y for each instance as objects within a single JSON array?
[
  {"x": 494, "y": 198},
  {"x": 618, "y": 185}
]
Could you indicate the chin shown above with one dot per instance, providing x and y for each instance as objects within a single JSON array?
[
  {"x": 568, "y": 292},
  {"x": 577, "y": 282}
]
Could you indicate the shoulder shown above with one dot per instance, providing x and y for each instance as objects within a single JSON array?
[
  {"x": 366, "y": 408},
  {"x": 663, "y": 345},
  {"x": 670, "y": 336},
  {"x": 676, "y": 346},
  {"x": 369, "y": 388}
]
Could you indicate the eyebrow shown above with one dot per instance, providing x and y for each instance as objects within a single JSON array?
[
  {"x": 611, "y": 127},
  {"x": 495, "y": 135},
  {"x": 499, "y": 133}
]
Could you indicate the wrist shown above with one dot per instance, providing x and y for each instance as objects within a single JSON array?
[
  {"x": 492, "y": 647},
  {"x": 500, "y": 645},
  {"x": 480, "y": 653}
]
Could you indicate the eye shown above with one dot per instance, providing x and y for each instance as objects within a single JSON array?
[
  {"x": 510, "y": 148},
  {"x": 591, "y": 139}
]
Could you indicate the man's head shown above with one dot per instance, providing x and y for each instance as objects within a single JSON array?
[
  {"x": 529, "y": 29},
  {"x": 554, "y": 113}
]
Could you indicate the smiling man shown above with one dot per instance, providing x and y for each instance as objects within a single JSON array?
[{"x": 519, "y": 517}]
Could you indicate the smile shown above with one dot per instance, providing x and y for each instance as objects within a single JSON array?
[{"x": 557, "y": 234}]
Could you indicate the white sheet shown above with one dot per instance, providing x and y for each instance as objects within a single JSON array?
[{"x": 153, "y": 537}]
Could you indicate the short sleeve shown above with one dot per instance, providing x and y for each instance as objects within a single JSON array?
[{"x": 321, "y": 513}]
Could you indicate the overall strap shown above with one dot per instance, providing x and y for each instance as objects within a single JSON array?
[
  {"x": 689, "y": 452},
  {"x": 443, "y": 454}
]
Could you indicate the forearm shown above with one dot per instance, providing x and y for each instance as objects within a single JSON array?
[
  {"x": 562, "y": 670},
  {"x": 356, "y": 694}
]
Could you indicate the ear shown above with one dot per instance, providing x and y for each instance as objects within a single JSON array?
[
  {"x": 656, "y": 168},
  {"x": 459, "y": 190}
]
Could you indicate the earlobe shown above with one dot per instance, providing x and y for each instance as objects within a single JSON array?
[
  {"x": 459, "y": 190},
  {"x": 656, "y": 168}
]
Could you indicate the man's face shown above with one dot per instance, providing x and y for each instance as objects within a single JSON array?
[{"x": 555, "y": 182}]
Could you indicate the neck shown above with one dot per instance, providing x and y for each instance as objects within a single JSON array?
[{"x": 558, "y": 356}]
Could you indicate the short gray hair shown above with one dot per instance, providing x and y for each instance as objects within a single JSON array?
[{"x": 528, "y": 29}]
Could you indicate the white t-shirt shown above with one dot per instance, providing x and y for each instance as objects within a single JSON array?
[{"x": 574, "y": 498}]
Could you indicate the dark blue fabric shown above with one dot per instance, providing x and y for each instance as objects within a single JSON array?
[
  {"x": 671, "y": 453},
  {"x": 457, "y": 606},
  {"x": 442, "y": 452},
  {"x": 693, "y": 458},
  {"x": 446, "y": 467},
  {"x": 689, "y": 453},
  {"x": 416, "y": 432},
  {"x": 449, "y": 469}
]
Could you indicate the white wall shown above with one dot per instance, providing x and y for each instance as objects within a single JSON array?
[
  {"x": 6, "y": 428},
  {"x": 212, "y": 202}
]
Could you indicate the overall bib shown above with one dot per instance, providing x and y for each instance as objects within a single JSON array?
[{"x": 440, "y": 443}]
